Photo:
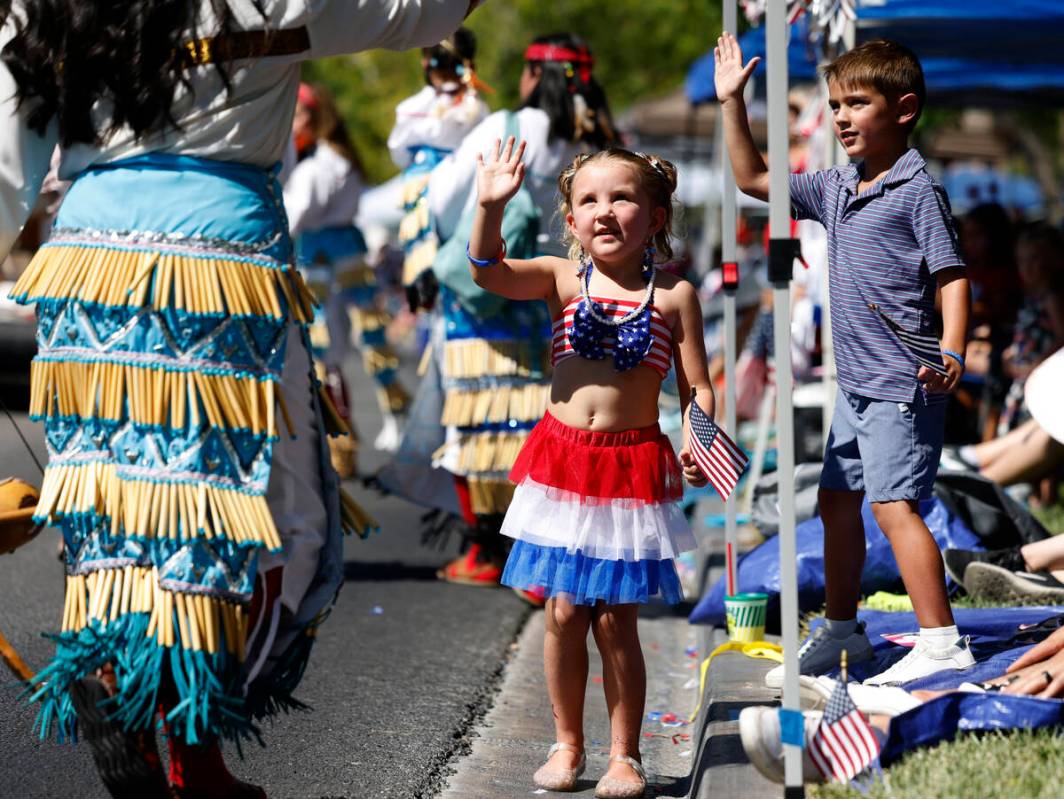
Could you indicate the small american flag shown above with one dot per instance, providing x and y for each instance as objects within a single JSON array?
[
  {"x": 924, "y": 348},
  {"x": 843, "y": 745},
  {"x": 720, "y": 459}
]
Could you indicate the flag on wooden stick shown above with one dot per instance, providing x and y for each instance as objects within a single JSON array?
[
  {"x": 925, "y": 349},
  {"x": 721, "y": 460},
  {"x": 843, "y": 745}
]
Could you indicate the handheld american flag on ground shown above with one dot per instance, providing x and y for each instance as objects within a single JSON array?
[
  {"x": 843, "y": 745},
  {"x": 924, "y": 348},
  {"x": 720, "y": 459}
]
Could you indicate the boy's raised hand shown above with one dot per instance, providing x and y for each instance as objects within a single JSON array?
[
  {"x": 729, "y": 74},
  {"x": 499, "y": 178}
]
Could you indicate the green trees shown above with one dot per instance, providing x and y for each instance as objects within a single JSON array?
[{"x": 642, "y": 48}]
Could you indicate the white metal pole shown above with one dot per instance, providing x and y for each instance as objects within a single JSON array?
[
  {"x": 781, "y": 265},
  {"x": 729, "y": 263}
]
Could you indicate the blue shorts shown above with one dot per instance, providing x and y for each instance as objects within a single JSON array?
[{"x": 887, "y": 449}]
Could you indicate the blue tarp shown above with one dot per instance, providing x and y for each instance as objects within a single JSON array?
[
  {"x": 970, "y": 51},
  {"x": 759, "y": 569},
  {"x": 998, "y": 638}
]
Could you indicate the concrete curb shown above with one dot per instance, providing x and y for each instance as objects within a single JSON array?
[{"x": 719, "y": 767}]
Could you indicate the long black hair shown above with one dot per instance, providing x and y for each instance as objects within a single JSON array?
[
  {"x": 586, "y": 119},
  {"x": 132, "y": 55}
]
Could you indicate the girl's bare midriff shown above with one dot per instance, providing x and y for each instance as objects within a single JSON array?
[{"x": 592, "y": 395}]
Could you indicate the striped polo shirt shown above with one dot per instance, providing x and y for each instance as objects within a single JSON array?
[{"x": 884, "y": 247}]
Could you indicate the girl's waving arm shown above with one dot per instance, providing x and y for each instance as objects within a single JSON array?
[
  {"x": 692, "y": 372},
  {"x": 498, "y": 180}
]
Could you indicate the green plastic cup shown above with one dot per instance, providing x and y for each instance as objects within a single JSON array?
[{"x": 746, "y": 616}]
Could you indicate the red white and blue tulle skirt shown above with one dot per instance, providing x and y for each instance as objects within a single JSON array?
[{"x": 596, "y": 516}]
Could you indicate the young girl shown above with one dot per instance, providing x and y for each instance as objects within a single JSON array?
[{"x": 594, "y": 514}]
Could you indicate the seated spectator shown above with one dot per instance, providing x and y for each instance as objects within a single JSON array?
[
  {"x": 1039, "y": 327},
  {"x": 1031, "y": 572},
  {"x": 986, "y": 240}
]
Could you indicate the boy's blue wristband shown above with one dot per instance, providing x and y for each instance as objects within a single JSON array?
[
  {"x": 955, "y": 356},
  {"x": 482, "y": 262}
]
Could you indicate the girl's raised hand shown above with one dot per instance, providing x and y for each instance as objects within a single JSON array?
[
  {"x": 729, "y": 74},
  {"x": 499, "y": 178}
]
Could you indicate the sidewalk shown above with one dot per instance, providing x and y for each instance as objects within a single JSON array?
[
  {"x": 695, "y": 760},
  {"x": 512, "y": 741}
]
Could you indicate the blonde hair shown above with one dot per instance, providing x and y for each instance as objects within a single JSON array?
[
  {"x": 657, "y": 177},
  {"x": 888, "y": 67}
]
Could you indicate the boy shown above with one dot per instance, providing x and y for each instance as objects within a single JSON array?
[{"x": 891, "y": 241}]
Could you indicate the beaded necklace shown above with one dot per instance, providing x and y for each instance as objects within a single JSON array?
[
  {"x": 630, "y": 332},
  {"x": 592, "y": 306}
]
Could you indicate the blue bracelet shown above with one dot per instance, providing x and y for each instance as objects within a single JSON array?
[
  {"x": 955, "y": 356},
  {"x": 482, "y": 262}
]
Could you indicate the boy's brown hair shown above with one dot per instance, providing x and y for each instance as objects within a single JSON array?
[{"x": 890, "y": 68}]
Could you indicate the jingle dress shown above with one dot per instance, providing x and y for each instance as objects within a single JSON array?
[
  {"x": 595, "y": 515},
  {"x": 187, "y": 470}
]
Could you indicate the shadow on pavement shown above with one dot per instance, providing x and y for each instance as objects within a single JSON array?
[{"x": 386, "y": 571}]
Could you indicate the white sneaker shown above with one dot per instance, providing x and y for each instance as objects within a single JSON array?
[
  {"x": 872, "y": 700},
  {"x": 923, "y": 661},
  {"x": 759, "y": 731},
  {"x": 820, "y": 653}
]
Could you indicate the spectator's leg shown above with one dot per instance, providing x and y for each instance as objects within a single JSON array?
[
  {"x": 1029, "y": 457},
  {"x": 844, "y": 550},
  {"x": 919, "y": 560}
]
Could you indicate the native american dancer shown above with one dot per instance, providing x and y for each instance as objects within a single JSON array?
[
  {"x": 322, "y": 196},
  {"x": 428, "y": 126},
  {"x": 185, "y": 427}
]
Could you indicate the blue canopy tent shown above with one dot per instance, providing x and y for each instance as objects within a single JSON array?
[
  {"x": 801, "y": 63},
  {"x": 973, "y": 53}
]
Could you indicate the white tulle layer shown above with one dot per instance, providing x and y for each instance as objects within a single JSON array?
[{"x": 598, "y": 527}]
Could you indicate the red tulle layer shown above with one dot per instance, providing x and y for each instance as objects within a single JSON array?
[{"x": 638, "y": 464}]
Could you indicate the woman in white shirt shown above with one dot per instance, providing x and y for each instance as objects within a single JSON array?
[
  {"x": 505, "y": 353},
  {"x": 200, "y": 517},
  {"x": 322, "y": 197}
]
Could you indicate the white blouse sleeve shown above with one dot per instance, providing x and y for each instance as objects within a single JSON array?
[
  {"x": 454, "y": 179},
  {"x": 337, "y": 27},
  {"x": 306, "y": 196},
  {"x": 24, "y": 159}
]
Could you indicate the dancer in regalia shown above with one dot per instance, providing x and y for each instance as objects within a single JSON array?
[
  {"x": 187, "y": 469},
  {"x": 428, "y": 126},
  {"x": 322, "y": 197}
]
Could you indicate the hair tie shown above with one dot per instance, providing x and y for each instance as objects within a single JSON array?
[{"x": 655, "y": 163}]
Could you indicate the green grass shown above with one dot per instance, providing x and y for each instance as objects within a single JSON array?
[
  {"x": 1051, "y": 517},
  {"x": 1022, "y": 764}
]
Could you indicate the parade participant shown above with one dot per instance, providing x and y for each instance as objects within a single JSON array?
[
  {"x": 321, "y": 198},
  {"x": 428, "y": 126},
  {"x": 187, "y": 471},
  {"x": 494, "y": 356},
  {"x": 891, "y": 244},
  {"x": 595, "y": 515}
]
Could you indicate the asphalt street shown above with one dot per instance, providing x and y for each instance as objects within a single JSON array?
[{"x": 402, "y": 671}]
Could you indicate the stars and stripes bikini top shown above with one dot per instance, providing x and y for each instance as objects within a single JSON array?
[{"x": 630, "y": 332}]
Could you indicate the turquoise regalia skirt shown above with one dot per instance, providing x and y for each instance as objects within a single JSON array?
[{"x": 165, "y": 300}]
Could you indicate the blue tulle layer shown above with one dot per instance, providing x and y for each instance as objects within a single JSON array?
[{"x": 585, "y": 581}]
